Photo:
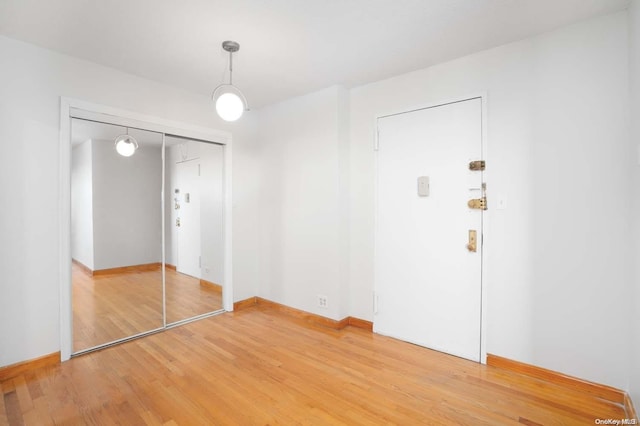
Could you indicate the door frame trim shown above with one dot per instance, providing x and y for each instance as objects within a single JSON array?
[
  {"x": 75, "y": 108},
  {"x": 483, "y": 96}
]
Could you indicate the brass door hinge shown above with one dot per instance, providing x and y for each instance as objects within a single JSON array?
[
  {"x": 478, "y": 165},
  {"x": 478, "y": 203}
]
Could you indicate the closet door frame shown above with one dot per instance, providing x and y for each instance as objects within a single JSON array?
[{"x": 74, "y": 108}]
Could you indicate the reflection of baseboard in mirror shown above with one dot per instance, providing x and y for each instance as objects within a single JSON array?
[
  {"x": 214, "y": 287},
  {"x": 156, "y": 266},
  {"x": 120, "y": 270},
  {"x": 82, "y": 267}
]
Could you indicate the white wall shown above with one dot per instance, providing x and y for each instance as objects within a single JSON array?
[
  {"x": 582, "y": 256},
  {"x": 82, "y": 204},
  {"x": 127, "y": 217},
  {"x": 303, "y": 223},
  {"x": 634, "y": 73},
  {"x": 557, "y": 259},
  {"x": 32, "y": 80}
]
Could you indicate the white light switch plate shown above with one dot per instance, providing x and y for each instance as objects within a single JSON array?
[{"x": 423, "y": 186}]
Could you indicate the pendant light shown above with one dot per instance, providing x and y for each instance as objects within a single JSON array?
[
  {"x": 230, "y": 102},
  {"x": 126, "y": 145}
]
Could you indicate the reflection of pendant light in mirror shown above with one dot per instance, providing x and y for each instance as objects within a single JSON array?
[
  {"x": 230, "y": 102},
  {"x": 126, "y": 145}
]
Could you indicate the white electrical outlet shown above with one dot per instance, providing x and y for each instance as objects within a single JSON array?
[{"x": 323, "y": 301}]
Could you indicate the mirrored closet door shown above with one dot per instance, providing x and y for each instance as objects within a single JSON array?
[
  {"x": 121, "y": 285},
  {"x": 194, "y": 228}
]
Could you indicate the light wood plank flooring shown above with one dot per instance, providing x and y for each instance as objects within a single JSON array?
[
  {"x": 114, "y": 306},
  {"x": 258, "y": 367}
]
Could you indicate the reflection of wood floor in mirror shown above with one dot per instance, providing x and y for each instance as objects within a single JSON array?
[
  {"x": 188, "y": 296},
  {"x": 111, "y": 307}
]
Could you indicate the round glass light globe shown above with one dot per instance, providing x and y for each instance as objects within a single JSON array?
[
  {"x": 229, "y": 106},
  {"x": 125, "y": 148}
]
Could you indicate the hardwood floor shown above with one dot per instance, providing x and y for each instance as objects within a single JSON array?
[
  {"x": 257, "y": 366},
  {"x": 113, "y": 306}
]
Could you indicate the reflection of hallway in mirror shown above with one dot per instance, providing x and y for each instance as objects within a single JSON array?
[
  {"x": 114, "y": 306},
  {"x": 188, "y": 296}
]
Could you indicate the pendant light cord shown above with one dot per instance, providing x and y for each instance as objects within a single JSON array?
[{"x": 231, "y": 68}]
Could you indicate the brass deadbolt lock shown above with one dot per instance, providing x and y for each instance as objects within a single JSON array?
[
  {"x": 478, "y": 203},
  {"x": 478, "y": 165}
]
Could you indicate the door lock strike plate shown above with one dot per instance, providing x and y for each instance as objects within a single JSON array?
[{"x": 478, "y": 203}]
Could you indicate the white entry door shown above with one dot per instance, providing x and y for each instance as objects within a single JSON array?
[
  {"x": 427, "y": 281},
  {"x": 188, "y": 222}
]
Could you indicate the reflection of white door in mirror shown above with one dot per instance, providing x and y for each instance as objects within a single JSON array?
[{"x": 188, "y": 233}]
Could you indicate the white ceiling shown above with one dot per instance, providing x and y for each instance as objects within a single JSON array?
[{"x": 288, "y": 47}]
